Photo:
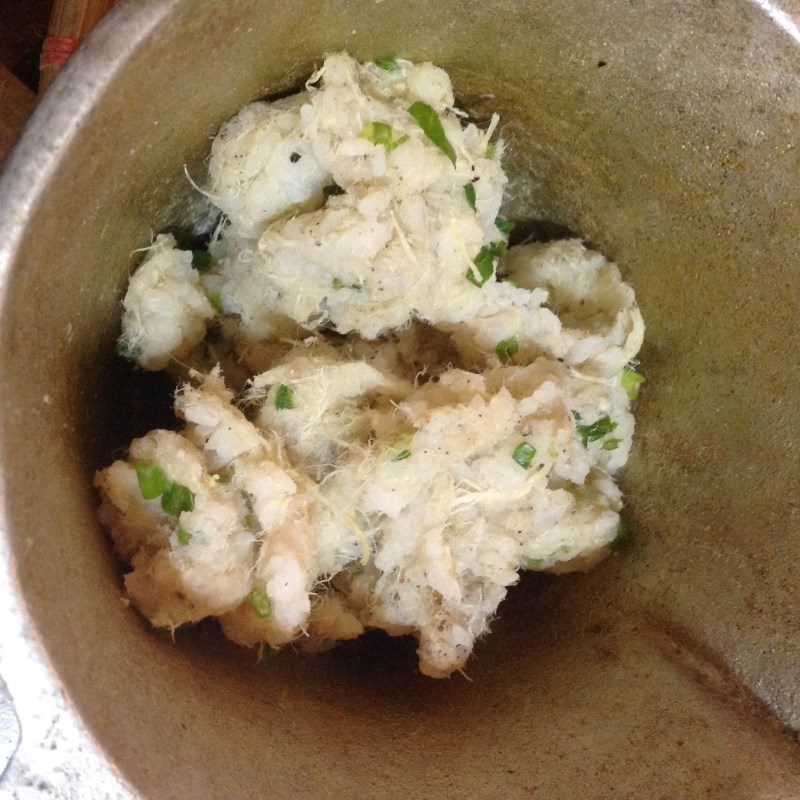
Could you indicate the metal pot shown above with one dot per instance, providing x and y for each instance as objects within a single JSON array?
[{"x": 665, "y": 133}]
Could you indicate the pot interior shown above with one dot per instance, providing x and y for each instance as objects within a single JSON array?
[{"x": 665, "y": 134}]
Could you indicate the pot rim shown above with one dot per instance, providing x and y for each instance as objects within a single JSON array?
[
  {"x": 25, "y": 177},
  {"x": 59, "y": 115}
]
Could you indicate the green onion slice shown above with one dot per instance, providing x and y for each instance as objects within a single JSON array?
[
  {"x": 284, "y": 398},
  {"x": 377, "y": 132},
  {"x": 396, "y": 143},
  {"x": 260, "y": 603},
  {"x": 202, "y": 260},
  {"x": 176, "y": 499},
  {"x": 485, "y": 263},
  {"x": 622, "y": 536},
  {"x": 631, "y": 382},
  {"x": 381, "y": 133},
  {"x": 507, "y": 349},
  {"x": 338, "y": 283},
  {"x": 597, "y": 430},
  {"x": 523, "y": 454},
  {"x": 128, "y": 350},
  {"x": 431, "y": 126},
  {"x": 216, "y": 302},
  {"x": 152, "y": 480},
  {"x": 469, "y": 191},
  {"x": 504, "y": 226}
]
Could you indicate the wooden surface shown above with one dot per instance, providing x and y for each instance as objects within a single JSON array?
[
  {"x": 16, "y": 104},
  {"x": 23, "y": 26},
  {"x": 75, "y": 18},
  {"x": 70, "y": 20}
]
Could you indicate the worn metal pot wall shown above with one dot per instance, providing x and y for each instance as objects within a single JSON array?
[{"x": 664, "y": 132}]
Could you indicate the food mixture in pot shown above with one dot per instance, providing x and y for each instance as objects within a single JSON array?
[{"x": 388, "y": 412}]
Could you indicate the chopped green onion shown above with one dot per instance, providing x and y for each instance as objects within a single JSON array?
[
  {"x": 184, "y": 537},
  {"x": 402, "y": 448},
  {"x": 250, "y": 522},
  {"x": 431, "y": 126},
  {"x": 128, "y": 350},
  {"x": 266, "y": 653},
  {"x": 498, "y": 249},
  {"x": 631, "y": 382},
  {"x": 152, "y": 480},
  {"x": 533, "y": 563},
  {"x": 224, "y": 475},
  {"x": 260, "y": 603},
  {"x": 491, "y": 150},
  {"x": 381, "y": 133},
  {"x": 611, "y": 444},
  {"x": 622, "y": 536},
  {"x": 387, "y": 64},
  {"x": 333, "y": 190},
  {"x": 469, "y": 191},
  {"x": 504, "y": 226},
  {"x": 523, "y": 454},
  {"x": 202, "y": 260},
  {"x": 484, "y": 262},
  {"x": 338, "y": 284},
  {"x": 216, "y": 302},
  {"x": 176, "y": 499},
  {"x": 507, "y": 349},
  {"x": 396, "y": 143},
  {"x": 597, "y": 430},
  {"x": 284, "y": 398},
  {"x": 377, "y": 133}
]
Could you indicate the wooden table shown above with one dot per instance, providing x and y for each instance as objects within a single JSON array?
[{"x": 16, "y": 105}]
